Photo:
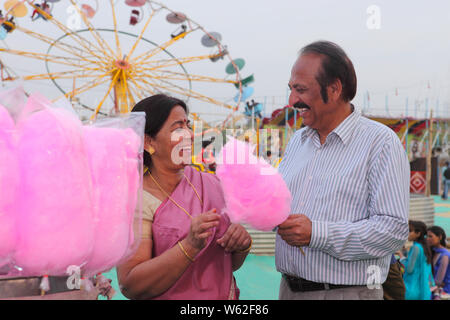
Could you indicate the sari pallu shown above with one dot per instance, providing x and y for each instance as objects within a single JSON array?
[
  {"x": 210, "y": 276},
  {"x": 436, "y": 269}
]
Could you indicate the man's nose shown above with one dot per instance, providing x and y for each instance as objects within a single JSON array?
[{"x": 293, "y": 98}]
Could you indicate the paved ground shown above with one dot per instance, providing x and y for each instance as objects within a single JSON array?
[{"x": 258, "y": 278}]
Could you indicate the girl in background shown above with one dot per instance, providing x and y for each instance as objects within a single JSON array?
[
  {"x": 440, "y": 258},
  {"x": 418, "y": 276}
]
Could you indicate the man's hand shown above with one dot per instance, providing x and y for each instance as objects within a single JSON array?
[{"x": 296, "y": 230}]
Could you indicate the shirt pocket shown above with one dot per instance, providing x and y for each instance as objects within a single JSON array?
[{"x": 341, "y": 198}]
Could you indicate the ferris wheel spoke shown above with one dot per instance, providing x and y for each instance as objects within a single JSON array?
[
  {"x": 137, "y": 91},
  {"x": 131, "y": 100},
  {"x": 102, "y": 43},
  {"x": 111, "y": 85},
  {"x": 64, "y": 75},
  {"x": 142, "y": 88},
  {"x": 126, "y": 96},
  {"x": 118, "y": 47},
  {"x": 145, "y": 56},
  {"x": 190, "y": 93},
  {"x": 76, "y": 51},
  {"x": 142, "y": 33},
  {"x": 172, "y": 75},
  {"x": 88, "y": 85},
  {"x": 45, "y": 57},
  {"x": 74, "y": 35},
  {"x": 170, "y": 62}
]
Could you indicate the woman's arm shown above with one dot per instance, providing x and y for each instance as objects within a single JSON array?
[
  {"x": 440, "y": 275},
  {"x": 237, "y": 241},
  {"x": 144, "y": 277},
  {"x": 238, "y": 258},
  {"x": 410, "y": 261}
]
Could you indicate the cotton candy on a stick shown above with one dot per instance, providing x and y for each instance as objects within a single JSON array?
[
  {"x": 113, "y": 156},
  {"x": 9, "y": 187},
  {"x": 55, "y": 225},
  {"x": 255, "y": 193}
]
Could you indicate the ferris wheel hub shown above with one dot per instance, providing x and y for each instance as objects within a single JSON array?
[{"x": 122, "y": 64}]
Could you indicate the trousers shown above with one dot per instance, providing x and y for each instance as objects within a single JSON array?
[{"x": 351, "y": 293}]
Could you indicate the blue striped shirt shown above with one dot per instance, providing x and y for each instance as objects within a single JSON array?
[{"x": 355, "y": 190}]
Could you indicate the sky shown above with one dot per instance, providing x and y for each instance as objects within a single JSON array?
[{"x": 400, "y": 48}]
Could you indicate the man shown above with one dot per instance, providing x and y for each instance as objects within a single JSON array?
[
  {"x": 446, "y": 180},
  {"x": 349, "y": 179}
]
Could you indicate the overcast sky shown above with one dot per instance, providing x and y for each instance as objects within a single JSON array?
[{"x": 400, "y": 48}]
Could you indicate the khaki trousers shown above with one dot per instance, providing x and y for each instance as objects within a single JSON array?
[{"x": 351, "y": 293}]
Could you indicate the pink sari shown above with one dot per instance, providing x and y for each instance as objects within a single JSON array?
[{"x": 210, "y": 276}]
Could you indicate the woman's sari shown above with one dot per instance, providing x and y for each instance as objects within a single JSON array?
[{"x": 210, "y": 276}]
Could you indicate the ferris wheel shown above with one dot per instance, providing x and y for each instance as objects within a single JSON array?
[{"x": 107, "y": 57}]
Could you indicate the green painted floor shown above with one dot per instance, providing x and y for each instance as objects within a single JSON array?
[{"x": 258, "y": 279}]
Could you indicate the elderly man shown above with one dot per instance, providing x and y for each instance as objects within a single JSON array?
[{"x": 349, "y": 179}]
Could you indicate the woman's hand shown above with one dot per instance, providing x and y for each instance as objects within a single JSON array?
[
  {"x": 236, "y": 238},
  {"x": 200, "y": 230}
]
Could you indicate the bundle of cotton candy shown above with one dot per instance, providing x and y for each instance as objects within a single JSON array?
[
  {"x": 55, "y": 224},
  {"x": 9, "y": 187},
  {"x": 254, "y": 191},
  {"x": 113, "y": 156}
]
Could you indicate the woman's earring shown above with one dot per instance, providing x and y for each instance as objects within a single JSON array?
[{"x": 151, "y": 150}]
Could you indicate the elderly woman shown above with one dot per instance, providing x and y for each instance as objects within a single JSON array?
[{"x": 189, "y": 249}]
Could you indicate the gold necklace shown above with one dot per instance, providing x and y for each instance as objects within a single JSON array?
[{"x": 171, "y": 199}]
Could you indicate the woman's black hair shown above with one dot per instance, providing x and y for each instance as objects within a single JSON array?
[
  {"x": 335, "y": 65},
  {"x": 157, "y": 109},
  {"x": 420, "y": 227},
  {"x": 438, "y": 231}
]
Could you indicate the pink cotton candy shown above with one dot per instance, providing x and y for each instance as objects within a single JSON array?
[
  {"x": 113, "y": 155},
  {"x": 254, "y": 191},
  {"x": 55, "y": 225},
  {"x": 9, "y": 184},
  {"x": 133, "y": 143}
]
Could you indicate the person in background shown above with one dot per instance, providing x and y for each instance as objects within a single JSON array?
[
  {"x": 436, "y": 239},
  {"x": 418, "y": 277},
  {"x": 394, "y": 286},
  {"x": 446, "y": 180}
]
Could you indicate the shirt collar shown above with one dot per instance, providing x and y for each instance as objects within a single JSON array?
[{"x": 344, "y": 130}]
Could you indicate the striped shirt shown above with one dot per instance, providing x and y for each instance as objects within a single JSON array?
[{"x": 355, "y": 190}]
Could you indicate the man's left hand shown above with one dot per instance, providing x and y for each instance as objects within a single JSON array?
[{"x": 296, "y": 230}]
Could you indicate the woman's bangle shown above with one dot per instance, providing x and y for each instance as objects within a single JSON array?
[
  {"x": 185, "y": 252},
  {"x": 249, "y": 247}
]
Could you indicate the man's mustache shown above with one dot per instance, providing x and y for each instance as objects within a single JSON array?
[{"x": 301, "y": 105}]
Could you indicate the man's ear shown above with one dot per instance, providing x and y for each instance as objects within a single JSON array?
[{"x": 335, "y": 90}]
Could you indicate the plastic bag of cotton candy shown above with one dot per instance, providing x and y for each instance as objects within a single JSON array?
[
  {"x": 77, "y": 190},
  {"x": 255, "y": 193}
]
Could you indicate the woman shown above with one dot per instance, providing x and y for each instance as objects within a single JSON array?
[
  {"x": 417, "y": 277},
  {"x": 440, "y": 258},
  {"x": 189, "y": 249}
]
